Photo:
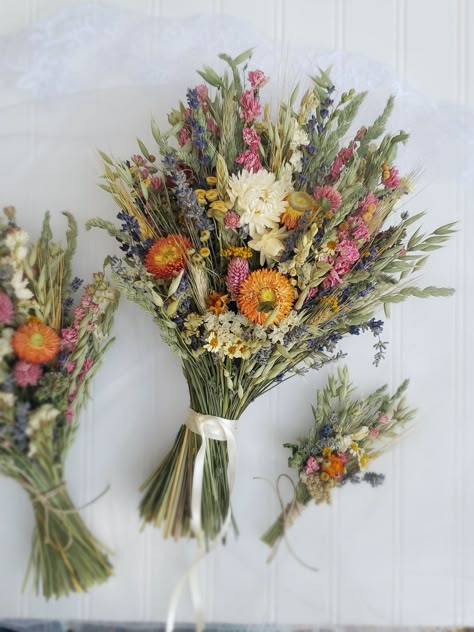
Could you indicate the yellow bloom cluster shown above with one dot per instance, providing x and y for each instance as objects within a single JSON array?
[
  {"x": 330, "y": 302},
  {"x": 237, "y": 251}
]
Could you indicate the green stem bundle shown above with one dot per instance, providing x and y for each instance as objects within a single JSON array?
[
  {"x": 286, "y": 519},
  {"x": 65, "y": 557}
]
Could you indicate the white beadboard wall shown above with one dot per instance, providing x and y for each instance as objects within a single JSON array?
[{"x": 402, "y": 554}]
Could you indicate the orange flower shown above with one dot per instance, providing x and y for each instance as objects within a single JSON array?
[
  {"x": 217, "y": 303},
  {"x": 298, "y": 203},
  {"x": 167, "y": 256},
  {"x": 263, "y": 291},
  {"x": 290, "y": 217},
  {"x": 35, "y": 342},
  {"x": 334, "y": 466}
]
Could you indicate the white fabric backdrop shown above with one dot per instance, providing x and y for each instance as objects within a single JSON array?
[{"x": 399, "y": 554}]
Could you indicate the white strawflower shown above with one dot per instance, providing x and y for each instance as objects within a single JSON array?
[
  {"x": 259, "y": 199},
  {"x": 270, "y": 245},
  {"x": 42, "y": 416},
  {"x": 20, "y": 286},
  {"x": 296, "y": 161},
  {"x": 16, "y": 241},
  {"x": 299, "y": 137}
]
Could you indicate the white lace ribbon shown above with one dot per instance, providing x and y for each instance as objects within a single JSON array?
[{"x": 217, "y": 429}]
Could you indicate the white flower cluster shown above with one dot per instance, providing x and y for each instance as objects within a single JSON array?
[
  {"x": 40, "y": 426},
  {"x": 299, "y": 139},
  {"x": 234, "y": 336},
  {"x": 17, "y": 243},
  {"x": 260, "y": 199}
]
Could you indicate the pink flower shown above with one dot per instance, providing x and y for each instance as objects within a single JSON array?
[
  {"x": 86, "y": 367},
  {"x": 367, "y": 201},
  {"x": 202, "y": 92},
  {"x": 343, "y": 456},
  {"x": 347, "y": 251},
  {"x": 26, "y": 374},
  {"x": 312, "y": 292},
  {"x": 342, "y": 267},
  {"x": 311, "y": 465},
  {"x": 344, "y": 155},
  {"x": 361, "y": 231},
  {"x": 346, "y": 152},
  {"x": 237, "y": 272},
  {"x": 183, "y": 136},
  {"x": 393, "y": 180},
  {"x": 258, "y": 79},
  {"x": 250, "y": 160},
  {"x": 212, "y": 126},
  {"x": 138, "y": 160},
  {"x": 331, "y": 279},
  {"x": 6, "y": 309},
  {"x": 374, "y": 433},
  {"x": 156, "y": 183},
  {"x": 69, "y": 413},
  {"x": 331, "y": 195},
  {"x": 79, "y": 314},
  {"x": 383, "y": 419},
  {"x": 231, "y": 219},
  {"x": 144, "y": 173},
  {"x": 70, "y": 366},
  {"x": 69, "y": 338},
  {"x": 250, "y": 106},
  {"x": 86, "y": 301},
  {"x": 251, "y": 138}
]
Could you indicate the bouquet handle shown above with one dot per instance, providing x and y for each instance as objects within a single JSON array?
[{"x": 65, "y": 556}]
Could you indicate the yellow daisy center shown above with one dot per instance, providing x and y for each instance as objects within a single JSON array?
[
  {"x": 267, "y": 299},
  {"x": 37, "y": 340},
  {"x": 167, "y": 254}
]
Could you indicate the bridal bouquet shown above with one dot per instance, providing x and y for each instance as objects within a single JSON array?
[
  {"x": 49, "y": 353},
  {"x": 256, "y": 242},
  {"x": 346, "y": 435}
]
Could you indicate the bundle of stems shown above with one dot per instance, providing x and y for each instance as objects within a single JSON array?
[
  {"x": 256, "y": 244},
  {"x": 346, "y": 434},
  {"x": 49, "y": 355}
]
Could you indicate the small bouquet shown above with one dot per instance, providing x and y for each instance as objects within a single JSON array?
[
  {"x": 49, "y": 353},
  {"x": 346, "y": 435},
  {"x": 256, "y": 244}
]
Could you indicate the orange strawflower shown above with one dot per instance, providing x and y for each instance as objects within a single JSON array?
[
  {"x": 290, "y": 217},
  {"x": 35, "y": 342},
  {"x": 263, "y": 291},
  {"x": 334, "y": 466},
  {"x": 217, "y": 303},
  {"x": 298, "y": 203},
  {"x": 167, "y": 256}
]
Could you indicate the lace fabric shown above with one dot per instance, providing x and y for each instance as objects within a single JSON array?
[{"x": 96, "y": 50}]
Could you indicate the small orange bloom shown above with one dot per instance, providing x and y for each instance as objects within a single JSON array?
[
  {"x": 290, "y": 217},
  {"x": 35, "y": 342},
  {"x": 334, "y": 466},
  {"x": 167, "y": 256},
  {"x": 217, "y": 303}
]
